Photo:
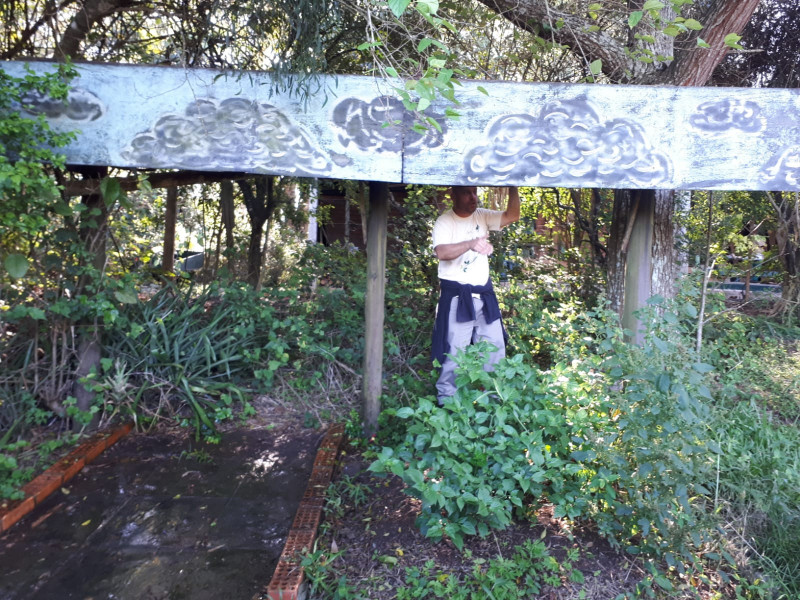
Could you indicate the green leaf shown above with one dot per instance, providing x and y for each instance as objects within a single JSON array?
[
  {"x": 391, "y": 72},
  {"x": 427, "y": 7},
  {"x": 126, "y": 296},
  {"x": 434, "y": 123},
  {"x": 664, "y": 383},
  {"x": 424, "y": 43},
  {"x": 653, "y": 5},
  {"x": 367, "y": 45},
  {"x": 596, "y": 66},
  {"x": 663, "y": 582},
  {"x": 644, "y": 525},
  {"x": 732, "y": 41},
  {"x": 405, "y": 412},
  {"x": 702, "y": 43},
  {"x": 482, "y": 90},
  {"x": 16, "y": 265},
  {"x": 63, "y": 209},
  {"x": 693, "y": 24},
  {"x": 110, "y": 189},
  {"x": 398, "y": 7},
  {"x": 415, "y": 476},
  {"x": 634, "y": 19}
]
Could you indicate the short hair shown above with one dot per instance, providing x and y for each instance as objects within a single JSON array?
[{"x": 454, "y": 188}]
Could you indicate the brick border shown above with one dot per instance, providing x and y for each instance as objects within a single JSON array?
[
  {"x": 52, "y": 479},
  {"x": 288, "y": 579}
]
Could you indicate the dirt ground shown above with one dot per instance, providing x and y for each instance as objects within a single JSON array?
[{"x": 161, "y": 516}]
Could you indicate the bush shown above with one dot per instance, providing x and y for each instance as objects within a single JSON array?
[{"x": 618, "y": 441}]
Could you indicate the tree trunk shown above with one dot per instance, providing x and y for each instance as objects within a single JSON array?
[
  {"x": 256, "y": 204},
  {"x": 787, "y": 235},
  {"x": 721, "y": 18},
  {"x": 170, "y": 221},
  {"x": 664, "y": 266},
  {"x": 227, "y": 213},
  {"x": 91, "y": 13},
  {"x": 92, "y": 233},
  {"x": 624, "y": 203}
]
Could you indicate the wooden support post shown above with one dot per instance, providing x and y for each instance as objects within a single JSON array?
[
  {"x": 639, "y": 265},
  {"x": 170, "y": 220},
  {"x": 374, "y": 304}
]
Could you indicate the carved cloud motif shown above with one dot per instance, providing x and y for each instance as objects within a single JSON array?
[
  {"x": 381, "y": 125},
  {"x": 783, "y": 171},
  {"x": 234, "y": 133},
  {"x": 727, "y": 115},
  {"x": 567, "y": 141},
  {"x": 80, "y": 105}
]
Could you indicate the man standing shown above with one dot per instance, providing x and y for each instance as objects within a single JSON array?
[{"x": 468, "y": 311}]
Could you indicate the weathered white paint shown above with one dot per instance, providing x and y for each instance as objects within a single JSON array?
[{"x": 533, "y": 134}]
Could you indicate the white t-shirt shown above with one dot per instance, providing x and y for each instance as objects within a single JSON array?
[{"x": 471, "y": 267}]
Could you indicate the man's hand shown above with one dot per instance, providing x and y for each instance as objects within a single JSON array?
[{"x": 482, "y": 245}]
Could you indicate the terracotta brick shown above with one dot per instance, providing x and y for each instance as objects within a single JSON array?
[
  {"x": 44, "y": 485},
  {"x": 307, "y": 518},
  {"x": 93, "y": 449},
  {"x": 14, "y": 512},
  {"x": 297, "y": 542},
  {"x": 119, "y": 432},
  {"x": 287, "y": 583},
  {"x": 68, "y": 467}
]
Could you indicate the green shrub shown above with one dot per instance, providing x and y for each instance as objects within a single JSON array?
[{"x": 620, "y": 441}]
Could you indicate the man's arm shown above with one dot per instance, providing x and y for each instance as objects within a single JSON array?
[
  {"x": 511, "y": 214},
  {"x": 480, "y": 245}
]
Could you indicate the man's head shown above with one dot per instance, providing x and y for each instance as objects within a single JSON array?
[{"x": 465, "y": 199}]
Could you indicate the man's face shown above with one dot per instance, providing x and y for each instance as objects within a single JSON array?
[{"x": 465, "y": 200}]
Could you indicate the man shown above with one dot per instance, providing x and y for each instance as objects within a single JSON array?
[{"x": 468, "y": 311}]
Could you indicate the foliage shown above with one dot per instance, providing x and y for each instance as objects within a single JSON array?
[
  {"x": 196, "y": 348},
  {"x": 631, "y": 459},
  {"x": 27, "y": 147},
  {"x": 321, "y": 576},
  {"x": 523, "y": 575},
  {"x": 11, "y": 477}
]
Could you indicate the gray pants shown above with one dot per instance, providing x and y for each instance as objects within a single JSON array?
[{"x": 461, "y": 335}]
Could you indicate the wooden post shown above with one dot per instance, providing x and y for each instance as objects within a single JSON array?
[
  {"x": 638, "y": 266},
  {"x": 374, "y": 304},
  {"x": 170, "y": 220}
]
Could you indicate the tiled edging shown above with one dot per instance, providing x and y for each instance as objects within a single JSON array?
[
  {"x": 287, "y": 580},
  {"x": 53, "y": 478}
]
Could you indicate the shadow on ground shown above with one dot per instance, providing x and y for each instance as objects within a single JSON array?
[{"x": 161, "y": 516}]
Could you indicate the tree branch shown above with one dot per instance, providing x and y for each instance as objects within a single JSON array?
[{"x": 572, "y": 31}]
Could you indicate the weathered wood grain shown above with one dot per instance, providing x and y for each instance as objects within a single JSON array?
[{"x": 533, "y": 134}]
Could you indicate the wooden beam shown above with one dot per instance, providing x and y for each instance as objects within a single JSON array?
[
  {"x": 524, "y": 134},
  {"x": 88, "y": 187},
  {"x": 374, "y": 304}
]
